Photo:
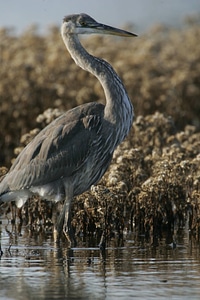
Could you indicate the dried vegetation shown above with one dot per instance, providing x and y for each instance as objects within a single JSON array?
[{"x": 154, "y": 180}]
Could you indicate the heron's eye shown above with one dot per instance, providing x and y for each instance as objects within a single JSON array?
[{"x": 82, "y": 23}]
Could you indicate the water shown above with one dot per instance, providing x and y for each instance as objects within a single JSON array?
[{"x": 36, "y": 268}]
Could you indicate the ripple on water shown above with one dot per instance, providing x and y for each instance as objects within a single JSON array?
[{"x": 37, "y": 268}]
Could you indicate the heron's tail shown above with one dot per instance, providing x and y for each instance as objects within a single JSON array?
[
  {"x": 19, "y": 196},
  {"x": 4, "y": 188}
]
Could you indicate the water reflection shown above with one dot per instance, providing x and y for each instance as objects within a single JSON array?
[{"x": 35, "y": 267}]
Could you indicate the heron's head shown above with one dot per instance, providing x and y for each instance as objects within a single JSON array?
[{"x": 84, "y": 24}]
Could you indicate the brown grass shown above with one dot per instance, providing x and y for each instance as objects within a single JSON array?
[{"x": 153, "y": 181}]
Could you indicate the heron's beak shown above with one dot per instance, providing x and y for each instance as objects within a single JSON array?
[{"x": 105, "y": 29}]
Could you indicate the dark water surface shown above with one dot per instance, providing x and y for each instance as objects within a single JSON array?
[{"x": 36, "y": 268}]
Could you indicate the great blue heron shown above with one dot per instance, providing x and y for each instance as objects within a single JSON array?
[{"x": 74, "y": 151}]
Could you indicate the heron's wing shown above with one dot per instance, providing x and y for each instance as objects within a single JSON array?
[{"x": 58, "y": 150}]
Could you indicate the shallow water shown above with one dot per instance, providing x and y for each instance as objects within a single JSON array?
[{"x": 36, "y": 268}]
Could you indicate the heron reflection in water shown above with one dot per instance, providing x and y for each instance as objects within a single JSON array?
[{"x": 74, "y": 151}]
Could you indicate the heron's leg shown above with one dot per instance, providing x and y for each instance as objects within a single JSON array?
[
  {"x": 61, "y": 219},
  {"x": 67, "y": 229},
  {"x": 64, "y": 222}
]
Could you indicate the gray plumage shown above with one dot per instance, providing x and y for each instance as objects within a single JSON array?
[{"x": 74, "y": 151}]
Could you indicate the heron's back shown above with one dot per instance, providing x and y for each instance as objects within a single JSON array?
[{"x": 74, "y": 148}]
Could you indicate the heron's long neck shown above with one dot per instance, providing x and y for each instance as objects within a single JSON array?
[{"x": 118, "y": 109}]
